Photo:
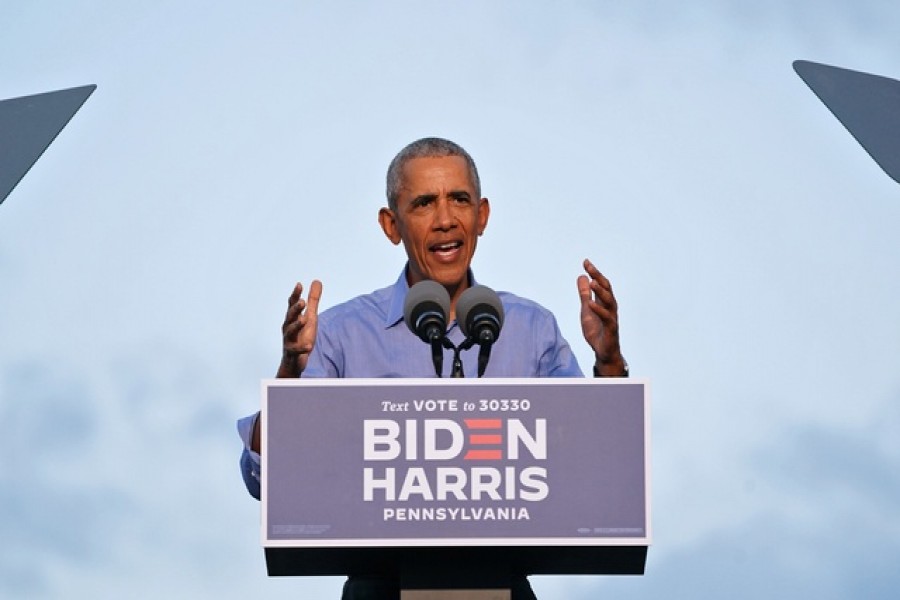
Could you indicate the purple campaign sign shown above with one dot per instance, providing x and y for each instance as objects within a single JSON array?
[{"x": 356, "y": 462}]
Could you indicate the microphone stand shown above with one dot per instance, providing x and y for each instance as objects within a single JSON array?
[
  {"x": 457, "y": 370},
  {"x": 486, "y": 340},
  {"x": 437, "y": 356},
  {"x": 484, "y": 355}
]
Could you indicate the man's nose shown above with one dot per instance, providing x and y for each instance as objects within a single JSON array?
[{"x": 443, "y": 215}]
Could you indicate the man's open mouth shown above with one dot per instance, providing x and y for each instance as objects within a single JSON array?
[{"x": 446, "y": 247}]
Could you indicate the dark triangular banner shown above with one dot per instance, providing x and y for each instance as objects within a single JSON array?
[
  {"x": 28, "y": 125},
  {"x": 867, "y": 105}
]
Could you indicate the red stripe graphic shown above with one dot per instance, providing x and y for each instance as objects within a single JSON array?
[
  {"x": 485, "y": 440},
  {"x": 483, "y": 455},
  {"x": 483, "y": 423}
]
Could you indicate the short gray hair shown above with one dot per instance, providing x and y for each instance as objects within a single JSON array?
[{"x": 430, "y": 147}]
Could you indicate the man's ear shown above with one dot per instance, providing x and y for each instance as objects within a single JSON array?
[
  {"x": 484, "y": 211},
  {"x": 389, "y": 226}
]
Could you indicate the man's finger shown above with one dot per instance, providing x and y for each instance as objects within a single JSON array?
[
  {"x": 294, "y": 311},
  {"x": 584, "y": 288},
  {"x": 591, "y": 269},
  {"x": 312, "y": 301},
  {"x": 290, "y": 329},
  {"x": 604, "y": 295},
  {"x": 295, "y": 295},
  {"x": 595, "y": 274}
]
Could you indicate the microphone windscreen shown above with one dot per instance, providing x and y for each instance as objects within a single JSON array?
[
  {"x": 427, "y": 295},
  {"x": 474, "y": 304}
]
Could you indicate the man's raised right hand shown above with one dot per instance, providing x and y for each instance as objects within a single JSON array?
[{"x": 299, "y": 329}]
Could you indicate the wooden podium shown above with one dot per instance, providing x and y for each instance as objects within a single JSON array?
[{"x": 454, "y": 488}]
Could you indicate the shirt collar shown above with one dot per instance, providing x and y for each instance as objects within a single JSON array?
[{"x": 398, "y": 296}]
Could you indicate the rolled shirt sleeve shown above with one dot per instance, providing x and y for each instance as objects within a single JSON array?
[{"x": 250, "y": 461}]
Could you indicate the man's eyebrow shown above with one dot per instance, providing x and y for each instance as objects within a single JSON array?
[
  {"x": 424, "y": 198},
  {"x": 459, "y": 194}
]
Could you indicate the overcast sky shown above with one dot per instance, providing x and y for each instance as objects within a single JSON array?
[{"x": 232, "y": 149}]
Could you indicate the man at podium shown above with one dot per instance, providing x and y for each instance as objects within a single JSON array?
[{"x": 436, "y": 211}]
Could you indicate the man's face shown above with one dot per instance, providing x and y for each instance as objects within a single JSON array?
[{"x": 438, "y": 218}]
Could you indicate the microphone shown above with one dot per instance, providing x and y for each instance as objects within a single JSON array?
[
  {"x": 425, "y": 312},
  {"x": 479, "y": 313}
]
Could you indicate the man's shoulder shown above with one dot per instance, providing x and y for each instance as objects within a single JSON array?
[
  {"x": 531, "y": 328},
  {"x": 513, "y": 302}
]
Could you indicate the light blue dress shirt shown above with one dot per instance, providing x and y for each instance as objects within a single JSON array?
[{"x": 366, "y": 337}]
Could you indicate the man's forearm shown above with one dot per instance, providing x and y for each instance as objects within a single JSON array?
[{"x": 289, "y": 367}]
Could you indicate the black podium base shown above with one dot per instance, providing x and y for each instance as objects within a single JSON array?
[
  {"x": 457, "y": 567},
  {"x": 466, "y": 594}
]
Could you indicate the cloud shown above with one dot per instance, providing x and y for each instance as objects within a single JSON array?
[
  {"x": 51, "y": 513},
  {"x": 125, "y": 481}
]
